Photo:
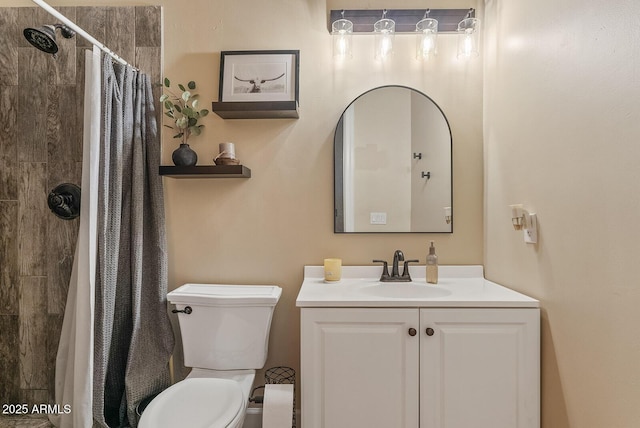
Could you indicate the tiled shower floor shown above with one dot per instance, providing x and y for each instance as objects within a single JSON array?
[{"x": 27, "y": 421}]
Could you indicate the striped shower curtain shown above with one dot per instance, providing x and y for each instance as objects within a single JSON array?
[{"x": 114, "y": 351}]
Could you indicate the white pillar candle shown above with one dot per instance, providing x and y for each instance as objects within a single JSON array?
[{"x": 227, "y": 150}]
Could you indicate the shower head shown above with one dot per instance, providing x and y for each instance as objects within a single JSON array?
[{"x": 44, "y": 38}]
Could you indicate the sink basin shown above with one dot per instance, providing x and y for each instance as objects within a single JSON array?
[{"x": 405, "y": 290}]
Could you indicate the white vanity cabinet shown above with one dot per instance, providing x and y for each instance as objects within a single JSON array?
[
  {"x": 462, "y": 354},
  {"x": 480, "y": 368},
  {"x": 427, "y": 368},
  {"x": 359, "y": 368}
]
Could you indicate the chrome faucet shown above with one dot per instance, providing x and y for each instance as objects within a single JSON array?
[{"x": 395, "y": 276}]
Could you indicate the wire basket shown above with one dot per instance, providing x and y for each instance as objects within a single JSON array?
[{"x": 283, "y": 375}]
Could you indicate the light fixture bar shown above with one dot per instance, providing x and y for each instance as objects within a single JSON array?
[{"x": 405, "y": 19}]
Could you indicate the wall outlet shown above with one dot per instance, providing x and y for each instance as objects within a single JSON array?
[
  {"x": 531, "y": 230},
  {"x": 378, "y": 218}
]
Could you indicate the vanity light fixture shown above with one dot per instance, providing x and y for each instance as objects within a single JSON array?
[
  {"x": 469, "y": 36},
  {"x": 384, "y": 30},
  {"x": 427, "y": 34},
  {"x": 425, "y": 26},
  {"x": 526, "y": 221},
  {"x": 341, "y": 34},
  {"x": 447, "y": 215}
]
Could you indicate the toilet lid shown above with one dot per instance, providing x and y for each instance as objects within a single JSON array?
[{"x": 195, "y": 403}]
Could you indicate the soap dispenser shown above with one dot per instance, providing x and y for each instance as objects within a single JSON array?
[{"x": 432, "y": 265}]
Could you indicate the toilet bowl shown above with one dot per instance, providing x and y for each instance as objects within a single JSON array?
[
  {"x": 197, "y": 403},
  {"x": 225, "y": 335}
]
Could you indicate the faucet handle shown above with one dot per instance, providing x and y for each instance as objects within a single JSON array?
[
  {"x": 405, "y": 270},
  {"x": 385, "y": 269}
]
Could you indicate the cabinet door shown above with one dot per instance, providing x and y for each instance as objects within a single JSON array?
[
  {"x": 359, "y": 368},
  {"x": 480, "y": 368}
]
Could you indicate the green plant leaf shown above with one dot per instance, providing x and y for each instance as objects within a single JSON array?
[
  {"x": 183, "y": 109},
  {"x": 182, "y": 123}
]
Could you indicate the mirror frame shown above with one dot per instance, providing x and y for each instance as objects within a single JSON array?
[{"x": 338, "y": 164}]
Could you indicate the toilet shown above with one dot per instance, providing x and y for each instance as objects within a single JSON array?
[{"x": 225, "y": 337}]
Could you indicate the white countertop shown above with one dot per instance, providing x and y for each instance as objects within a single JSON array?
[{"x": 458, "y": 286}]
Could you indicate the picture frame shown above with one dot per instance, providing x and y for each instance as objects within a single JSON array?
[{"x": 253, "y": 76}]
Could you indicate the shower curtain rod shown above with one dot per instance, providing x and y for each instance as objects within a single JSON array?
[{"x": 88, "y": 37}]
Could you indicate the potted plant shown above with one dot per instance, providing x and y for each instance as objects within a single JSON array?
[{"x": 184, "y": 112}]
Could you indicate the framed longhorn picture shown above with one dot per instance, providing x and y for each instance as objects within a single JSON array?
[{"x": 247, "y": 76}]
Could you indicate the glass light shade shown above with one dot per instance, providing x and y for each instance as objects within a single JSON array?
[
  {"x": 426, "y": 39},
  {"x": 469, "y": 38},
  {"x": 384, "y": 31},
  {"x": 341, "y": 34}
]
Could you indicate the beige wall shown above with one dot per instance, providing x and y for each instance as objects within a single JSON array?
[
  {"x": 266, "y": 228},
  {"x": 562, "y": 134}
]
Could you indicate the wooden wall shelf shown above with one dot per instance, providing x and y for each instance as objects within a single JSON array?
[
  {"x": 206, "y": 171},
  {"x": 256, "y": 110}
]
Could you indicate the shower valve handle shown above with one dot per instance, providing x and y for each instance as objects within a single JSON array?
[{"x": 187, "y": 310}]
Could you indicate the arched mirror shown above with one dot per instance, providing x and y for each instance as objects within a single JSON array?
[{"x": 393, "y": 164}]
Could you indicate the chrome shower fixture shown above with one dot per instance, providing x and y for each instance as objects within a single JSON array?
[{"x": 44, "y": 38}]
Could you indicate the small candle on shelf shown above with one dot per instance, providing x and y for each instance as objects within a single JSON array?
[{"x": 332, "y": 270}]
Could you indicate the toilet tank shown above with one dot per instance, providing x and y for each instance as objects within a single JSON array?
[{"x": 228, "y": 327}]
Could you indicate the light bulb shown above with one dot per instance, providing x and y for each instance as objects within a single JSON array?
[
  {"x": 384, "y": 31},
  {"x": 469, "y": 38},
  {"x": 427, "y": 30},
  {"x": 341, "y": 33}
]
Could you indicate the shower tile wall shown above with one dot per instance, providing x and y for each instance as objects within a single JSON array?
[{"x": 41, "y": 109}]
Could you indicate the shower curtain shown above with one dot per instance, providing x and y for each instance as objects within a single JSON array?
[
  {"x": 123, "y": 337},
  {"x": 74, "y": 362}
]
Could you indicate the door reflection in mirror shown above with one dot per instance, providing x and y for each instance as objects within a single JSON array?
[{"x": 393, "y": 164}]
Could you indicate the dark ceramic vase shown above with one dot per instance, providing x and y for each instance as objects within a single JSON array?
[{"x": 184, "y": 156}]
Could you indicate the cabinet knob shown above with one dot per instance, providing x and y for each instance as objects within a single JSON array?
[
  {"x": 430, "y": 331},
  {"x": 412, "y": 331}
]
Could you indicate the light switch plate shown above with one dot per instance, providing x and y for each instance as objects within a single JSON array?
[{"x": 378, "y": 218}]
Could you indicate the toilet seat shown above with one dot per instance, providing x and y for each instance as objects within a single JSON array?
[{"x": 196, "y": 403}]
